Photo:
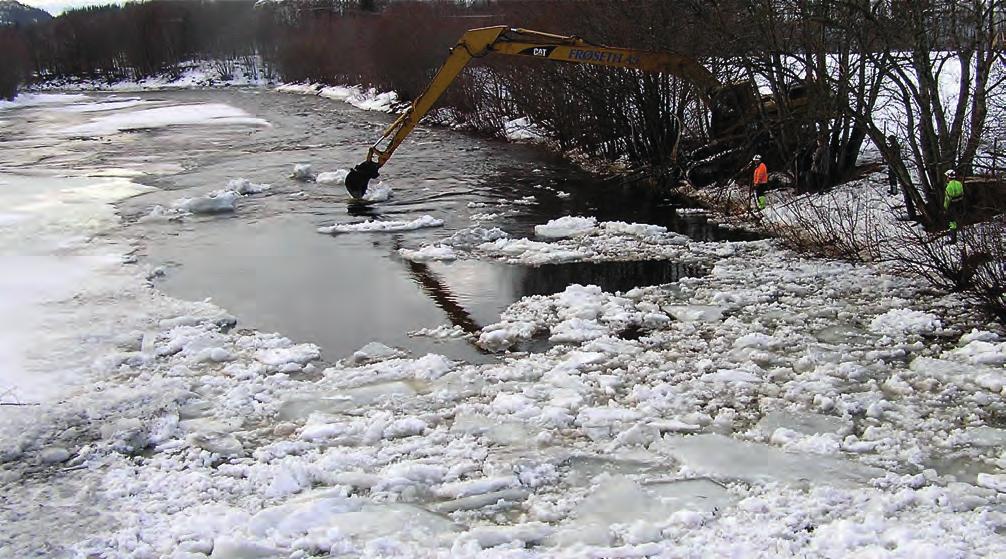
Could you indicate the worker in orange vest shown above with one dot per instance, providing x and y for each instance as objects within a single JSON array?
[{"x": 760, "y": 181}]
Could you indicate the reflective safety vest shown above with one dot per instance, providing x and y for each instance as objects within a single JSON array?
[
  {"x": 760, "y": 174},
  {"x": 955, "y": 192}
]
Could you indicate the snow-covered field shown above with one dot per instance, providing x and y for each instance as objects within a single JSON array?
[{"x": 777, "y": 406}]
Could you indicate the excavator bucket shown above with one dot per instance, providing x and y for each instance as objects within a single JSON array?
[{"x": 359, "y": 177}]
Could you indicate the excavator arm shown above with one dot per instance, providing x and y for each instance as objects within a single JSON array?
[{"x": 476, "y": 43}]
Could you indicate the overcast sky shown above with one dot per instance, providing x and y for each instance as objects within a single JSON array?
[{"x": 56, "y": 7}]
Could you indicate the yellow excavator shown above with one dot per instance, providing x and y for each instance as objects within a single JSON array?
[{"x": 733, "y": 106}]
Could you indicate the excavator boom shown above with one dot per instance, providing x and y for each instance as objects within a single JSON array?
[{"x": 476, "y": 43}]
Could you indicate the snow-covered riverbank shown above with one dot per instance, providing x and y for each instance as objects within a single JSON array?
[
  {"x": 777, "y": 406},
  {"x": 246, "y": 72}
]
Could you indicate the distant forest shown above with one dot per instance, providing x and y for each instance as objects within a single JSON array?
[{"x": 360, "y": 41}]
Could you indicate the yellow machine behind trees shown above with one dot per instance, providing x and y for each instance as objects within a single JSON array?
[{"x": 733, "y": 106}]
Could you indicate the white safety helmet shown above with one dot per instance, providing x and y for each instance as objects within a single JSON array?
[
  {"x": 756, "y": 158},
  {"x": 950, "y": 173}
]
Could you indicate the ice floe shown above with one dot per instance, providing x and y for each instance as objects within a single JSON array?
[
  {"x": 178, "y": 115},
  {"x": 372, "y": 226},
  {"x": 218, "y": 201},
  {"x": 566, "y": 227},
  {"x": 429, "y": 252}
]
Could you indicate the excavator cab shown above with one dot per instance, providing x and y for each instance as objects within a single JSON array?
[{"x": 732, "y": 106}]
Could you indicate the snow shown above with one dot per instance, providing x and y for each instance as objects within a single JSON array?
[
  {"x": 161, "y": 117},
  {"x": 521, "y": 129},
  {"x": 42, "y": 99},
  {"x": 109, "y": 104},
  {"x": 388, "y": 226},
  {"x": 44, "y": 226},
  {"x": 193, "y": 74}
]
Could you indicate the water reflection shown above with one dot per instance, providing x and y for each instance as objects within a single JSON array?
[
  {"x": 442, "y": 296},
  {"x": 362, "y": 209}
]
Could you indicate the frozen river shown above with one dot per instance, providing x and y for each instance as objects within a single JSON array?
[{"x": 556, "y": 366}]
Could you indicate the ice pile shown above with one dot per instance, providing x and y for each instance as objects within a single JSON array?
[
  {"x": 774, "y": 392},
  {"x": 441, "y": 332},
  {"x": 473, "y": 236},
  {"x": 388, "y": 226},
  {"x": 577, "y": 239},
  {"x": 337, "y": 178},
  {"x": 160, "y": 214},
  {"x": 900, "y": 322},
  {"x": 218, "y": 201},
  {"x": 380, "y": 192},
  {"x": 367, "y": 99},
  {"x": 578, "y": 314},
  {"x": 670, "y": 441},
  {"x": 302, "y": 172},
  {"x": 522, "y": 129},
  {"x": 244, "y": 186},
  {"x": 428, "y": 252},
  {"x": 215, "y": 202},
  {"x": 567, "y": 226}
]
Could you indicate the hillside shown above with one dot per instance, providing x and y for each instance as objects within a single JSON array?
[{"x": 16, "y": 13}]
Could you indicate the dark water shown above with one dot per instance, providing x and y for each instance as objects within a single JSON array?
[{"x": 267, "y": 265}]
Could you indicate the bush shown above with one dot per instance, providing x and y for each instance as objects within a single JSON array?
[
  {"x": 975, "y": 266},
  {"x": 838, "y": 224}
]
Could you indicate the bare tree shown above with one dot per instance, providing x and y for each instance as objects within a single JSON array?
[{"x": 941, "y": 66}]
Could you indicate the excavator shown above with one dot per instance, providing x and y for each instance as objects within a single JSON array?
[{"x": 734, "y": 107}]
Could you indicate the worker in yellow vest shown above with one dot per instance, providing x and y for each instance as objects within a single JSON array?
[{"x": 953, "y": 202}]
